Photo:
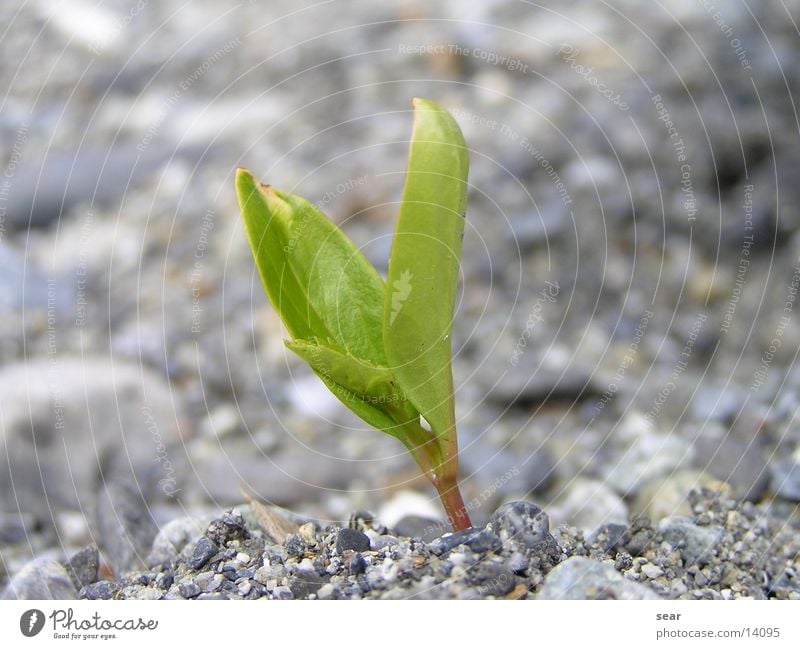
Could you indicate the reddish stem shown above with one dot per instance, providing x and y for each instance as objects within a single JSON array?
[
  {"x": 441, "y": 471},
  {"x": 453, "y": 503}
]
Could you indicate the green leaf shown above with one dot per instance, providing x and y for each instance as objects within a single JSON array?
[
  {"x": 424, "y": 264},
  {"x": 317, "y": 280},
  {"x": 363, "y": 384}
]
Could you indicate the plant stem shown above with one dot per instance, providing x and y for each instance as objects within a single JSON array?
[
  {"x": 440, "y": 465},
  {"x": 453, "y": 503}
]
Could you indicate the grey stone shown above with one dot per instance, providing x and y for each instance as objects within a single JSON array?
[
  {"x": 83, "y": 566},
  {"x": 125, "y": 527},
  {"x": 647, "y": 455},
  {"x": 283, "y": 592},
  {"x": 492, "y": 579},
  {"x": 41, "y": 579},
  {"x": 203, "y": 550},
  {"x": 384, "y": 541},
  {"x": 613, "y": 535},
  {"x": 521, "y": 522},
  {"x": 140, "y": 592},
  {"x": 229, "y": 527},
  {"x": 477, "y": 540},
  {"x": 696, "y": 543},
  {"x": 173, "y": 537},
  {"x": 584, "y": 578},
  {"x": 99, "y": 590},
  {"x": 295, "y": 545}
]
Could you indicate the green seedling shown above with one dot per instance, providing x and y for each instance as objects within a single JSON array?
[{"x": 383, "y": 348}]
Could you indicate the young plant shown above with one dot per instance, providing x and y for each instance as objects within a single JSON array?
[{"x": 383, "y": 349}]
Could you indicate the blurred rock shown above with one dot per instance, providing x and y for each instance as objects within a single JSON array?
[
  {"x": 497, "y": 473},
  {"x": 174, "y": 537},
  {"x": 740, "y": 463},
  {"x": 420, "y": 527},
  {"x": 648, "y": 455},
  {"x": 584, "y": 578},
  {"x": 65, "y": 422},
  {"x": 785, "y": 474},
  {"x": 587, "y": 504},
  {"x": 669, "y": 495},
  {"x": 41, "y": 579},
  {"x": 25, "y": 286},
  {"x": 83, "y": 566},
  {"x": 696, "y": 543},
  {"x": 125, "y": 527},
  {"x": 519, "y": 387},
  {"x": 43, "y": 191}
]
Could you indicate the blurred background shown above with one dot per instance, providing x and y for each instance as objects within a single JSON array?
[{"x": 627, "y": 328}]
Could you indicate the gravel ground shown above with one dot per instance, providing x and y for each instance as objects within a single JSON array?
[
  {"x": 725, "y": 550},
  {"x": 626, "y": 336}
]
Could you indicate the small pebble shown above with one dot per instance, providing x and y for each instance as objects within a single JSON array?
[
  {"x": 204, "y": 549},
  {"x": 350, "y": 539}
]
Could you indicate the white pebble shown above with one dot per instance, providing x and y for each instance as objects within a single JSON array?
[{"x": 652, "y": 572}]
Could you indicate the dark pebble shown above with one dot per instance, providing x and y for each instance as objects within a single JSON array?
[
  {"x": 614, "y": 535},
  {"x": 203, "y": 551},
  {"x": 165, "y": 580},
  {"x": 82, "y": 566},
  {"x": 350, "y": 539},
  {"x": 697, "y": 544},
  {"x": 295, "y": 546},
  {"x": 99, "y": 590},
  {"x": 640, "y": 542},
  {"x": 623, "y": 561},
  {"x": 230, "y": 527},
  {"x": 358, "y": 564}
]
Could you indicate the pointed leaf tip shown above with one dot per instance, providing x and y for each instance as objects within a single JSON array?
[{"x": 424, "y": 265}]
